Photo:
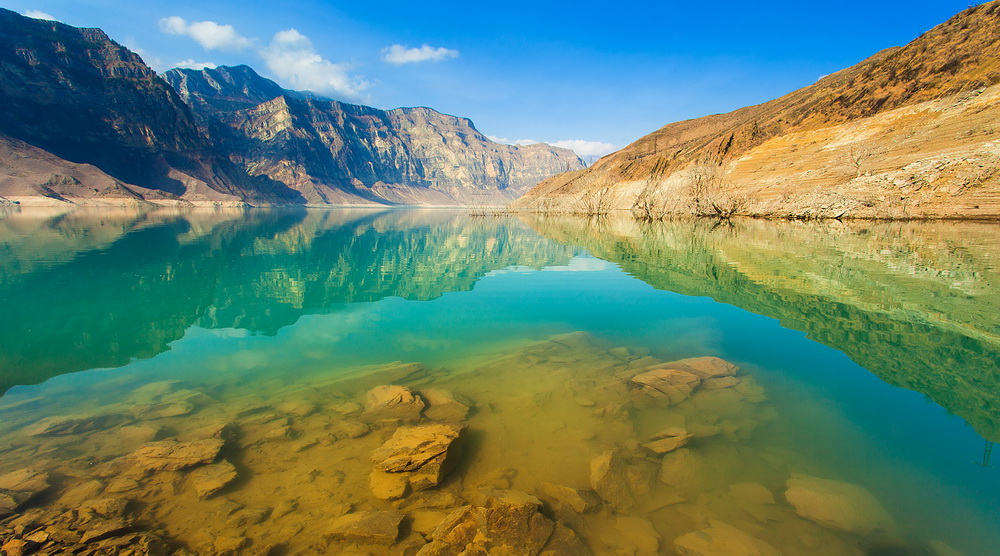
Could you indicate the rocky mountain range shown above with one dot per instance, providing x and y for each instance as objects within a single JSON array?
[
  {"x": 83, "y": 120},
  {"x": 912, "y": 132},
  {"x": 334, "y": 152}
]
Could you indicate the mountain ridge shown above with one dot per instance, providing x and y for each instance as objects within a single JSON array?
[
  {"x": 83, "y": 120},
  {"x": 720, "y": 163},
  {"x": 401, "y": 155}
]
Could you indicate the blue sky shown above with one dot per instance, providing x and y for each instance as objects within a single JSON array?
[{"x": 597, "y": 74}]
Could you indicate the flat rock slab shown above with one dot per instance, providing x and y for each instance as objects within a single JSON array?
[
  {"x": 162, "y": 410},
  {"x": 581, "y": 501},
  {"x": 443, "y": 406},
  {"x": 609, "y": 478},
  {"x": 62, "y": 425},
  {"x": 498, "y": 527},
  {"x": 170, "y": 455},
  {"x": 720, "y": 539},
  {"x": 675, "y": 385},
  {"x": 392, "y": 402},
  {"x": 838, "y": 505},
  {"x": 209, "y": 479},
  {"x": 667, "y": 441},
  {"x": 705, "y": 367},
  {"x": 18, "y": 487},
  {"x": 373, "y": 527},
  {"x": 422, "y": 452}
]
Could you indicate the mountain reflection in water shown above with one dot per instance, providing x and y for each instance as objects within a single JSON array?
[
  {"x": 94, "y": 289},
  {"x": 916, "y": 303}
]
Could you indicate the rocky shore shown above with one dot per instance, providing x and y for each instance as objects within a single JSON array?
[{"x": 561, "y": 447}]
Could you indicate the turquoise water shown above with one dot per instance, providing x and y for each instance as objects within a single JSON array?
[{"x": 877, "y": 346}]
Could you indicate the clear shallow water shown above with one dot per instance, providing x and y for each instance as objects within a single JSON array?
[{"x": 876, "y": 346}]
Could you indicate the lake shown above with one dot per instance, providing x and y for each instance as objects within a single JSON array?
[{"x": 349, "y": 381}]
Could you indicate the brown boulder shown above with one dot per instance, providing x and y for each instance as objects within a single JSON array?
[
  {"x": 424, "y": 453},
  {"x": 209, "y": 479},
  {"x": 706, "y": 367},
  {"x": 581, "y": 501},
  {"x": 668, "y": 440},
  {"x": 18, "y": 487},
  {"x": 372, "y": 527},
  {"x": 720, "y": 538},
  {"x": 682, "y": 468},
  {"x": 610, "y": 479},
  {"x": 675, "y": 385},
  {"x": 392, "y": 402},
  {"x": 837, "y": 505},
  {"x": 62, "y": 425},
  {"x": 170, "y": 455},
  {"x": 443, "y": 406},
  {"x": 514, "y": 526}
]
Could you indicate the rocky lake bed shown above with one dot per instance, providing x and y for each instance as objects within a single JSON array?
[{"x": 563, "y": 446}]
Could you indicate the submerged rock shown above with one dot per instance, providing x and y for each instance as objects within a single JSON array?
[
  {"x": 388, "y": 486},
  {"x": 62, "y": 425},
  {"x": 443, "y": 406},
  {"x": 837, "y": 505},
  {"x": 565, "y": 542},
  {"x": 423, "y": 453},
  {"x": 209, "y": 479},
  {"x": 18, "y": 487},
  {"x": 706, "y": 367},
  {"x": 609, "y": 478},
  {"x": 581, "y": 501},
  {"x": 170, "y": 455},
  {"x": 503, "y": 525},
  {"x": 392, "y": 402},
  {"x": 641, "y": 533},
  {"x": 722, "y": 539},
  {"x": 372, "y": 527},
  {"x": 162, "y": 410},
  {"x": 675, "y": 385},
  {"x": 681, "y": 468},
  {"x": 668, "y": 440}
]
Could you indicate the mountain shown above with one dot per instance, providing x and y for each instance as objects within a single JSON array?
[
  {"x": 84, "y": 121},
  {"x": 911, "y": 132},
  {"x": 334, "y": 152},
  {"x": 83, "y": 116}
]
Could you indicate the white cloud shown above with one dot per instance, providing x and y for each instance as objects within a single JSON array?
[
  {"x": 579, "y": 146},
  {"x": 399, "y": 54},
  {"x": 291, "y": 57},
  {"x": 39, "y": 15},
  {"x": 209, "y": 34},
  {"x": 585, "y": 148},
  {"x": 191, "y": 64}
]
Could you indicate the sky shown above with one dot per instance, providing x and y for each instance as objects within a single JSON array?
[{"x": 589, "y": 76}]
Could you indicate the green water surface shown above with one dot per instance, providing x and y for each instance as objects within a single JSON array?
[{"x": 878, "y": 344}]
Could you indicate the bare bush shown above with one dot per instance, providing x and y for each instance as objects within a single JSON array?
[
  {"x": 595, "y": 203},
  {"x": 858, "y": 154},
  {"x": 711, "y": 195}
]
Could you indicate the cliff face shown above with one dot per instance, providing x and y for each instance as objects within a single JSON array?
[
  {"x": 333, "y": 152},
  {"x": 910, "y": 132},
  {"x": 83, "y": 98}
]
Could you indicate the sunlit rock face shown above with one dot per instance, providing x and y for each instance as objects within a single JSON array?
[
  {"x": 72, "y": 96},
  {"x": 334, "y": 152},
  {"x": 908, "y": 133}
]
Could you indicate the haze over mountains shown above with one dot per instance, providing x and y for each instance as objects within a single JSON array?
[
  {"x": 84, "y": 120},
  {"x": 912, "y": 132}
]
